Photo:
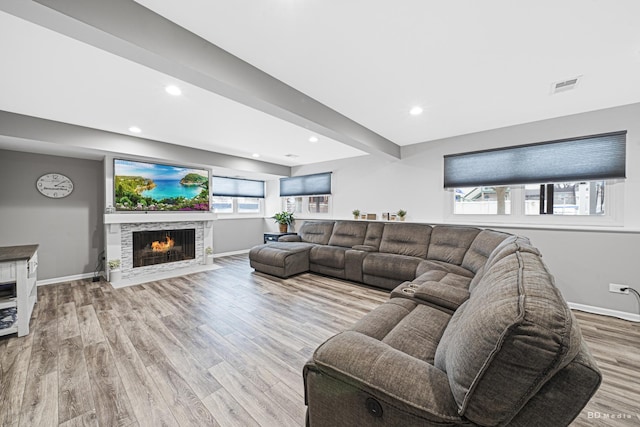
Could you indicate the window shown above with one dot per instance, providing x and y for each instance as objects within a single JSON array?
[
  {"x": 565, "y": 178},
  {"x": 237, "y": 196},
  {"x": 482, "y": 201},
  {"x": 307, "y": 194},
  {"x": 567, "y": 198},
  {"x": 307, "y": 205}
]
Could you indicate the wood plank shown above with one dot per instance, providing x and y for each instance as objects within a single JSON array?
[
  {"x": 67, "y": 321},
  {"x": 41, "y": 406},
  {"x": 85, "y": 420},
  {"x": 146, "y": 400},
  {"x": 89, "y": 326},
  {"x": 112, "y": 404},
  {"x": 185, "y": 405},
  {"x": 74, "y": 390},
  {"x": 14, "y": 362},
  {"x": 227, "y": 411},
  {"x": 254, "y": 401}
]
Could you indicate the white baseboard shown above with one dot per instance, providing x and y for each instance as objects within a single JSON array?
[
  {"x": 65, "y": 279},
  {"x": 220, "y": 255},
  {"x": 605, "y": 312}
]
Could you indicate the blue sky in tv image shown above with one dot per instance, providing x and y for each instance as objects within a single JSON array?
[{"x": 156, "y": 172}]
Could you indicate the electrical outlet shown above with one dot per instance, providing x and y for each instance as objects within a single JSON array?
[{"x": 613, "y": 287}]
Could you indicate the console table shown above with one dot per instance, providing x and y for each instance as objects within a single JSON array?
[{"x": 19, "y": 265}]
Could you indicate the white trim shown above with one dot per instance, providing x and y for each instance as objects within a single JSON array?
[
  {"x": 67, "y": 278},
  {"x": 223, "y": 254},
  {"x": 605, "y": 312}
]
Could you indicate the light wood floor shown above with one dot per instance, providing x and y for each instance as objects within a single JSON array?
[{"x": 224, "y": 347}]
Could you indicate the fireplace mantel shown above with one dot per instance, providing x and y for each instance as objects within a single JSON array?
[{"x": 140, "y": 217}]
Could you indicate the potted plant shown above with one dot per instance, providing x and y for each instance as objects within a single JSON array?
[
  {"x": 284, "y": 219},
  {"x": 401, "y": 214},
  {"x": 115, "y": 274},
  {"x": 208, "y": 255},
  {"x": 356, "y": 214}
]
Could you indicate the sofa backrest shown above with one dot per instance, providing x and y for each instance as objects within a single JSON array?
[
  {"x": 512, "y": 335},
  {"x": 316, "y": 232},
  {"x": 406, "y": 239},
  {"x": 374, "y": 234},
  {"x": 481, "y": 247},
  {"x": 348, "y": 233},
  {"x": 450, "y": 243}
]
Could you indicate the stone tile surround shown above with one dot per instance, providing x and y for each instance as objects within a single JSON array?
[{"x": 126, "y": 241}]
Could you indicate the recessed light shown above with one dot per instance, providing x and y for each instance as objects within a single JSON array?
[
  {"x": 255, "y": 155},
  {"x": 135, "y": 129},
  {"x": 313, "y": 139},
  {"x": 416, "y": 111},
  {"x": 173, "y": 90}
]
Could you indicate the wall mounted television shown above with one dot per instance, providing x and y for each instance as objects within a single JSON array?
[{"x": 143, "y": 186}]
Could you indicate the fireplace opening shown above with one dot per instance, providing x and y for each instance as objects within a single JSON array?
[{"x": 162, "y": 246}]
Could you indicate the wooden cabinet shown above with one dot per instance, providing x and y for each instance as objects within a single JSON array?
[{"x": 19, "y": 266}]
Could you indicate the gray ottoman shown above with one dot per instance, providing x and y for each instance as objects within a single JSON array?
[{"x": 281, "y": 259}]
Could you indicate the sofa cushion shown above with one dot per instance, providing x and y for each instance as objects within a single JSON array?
[
  {"x": 328, "y": 256},
  {"x": 484, "y": 243},
  {"x": 348, "y": 233},
  {"x": 445, "y": 278},
  {"x": 406, "y": 239},
  {"x": 318, "y": 232},
  {"x": 450, "y": 243},
  {"x": 500, "y": 347},
  {"x": 430, "y": 265},
  {"x": 373, "y": 237},
  {"x": 414, "y": 329},
  {"x": 392, "y": 266}
]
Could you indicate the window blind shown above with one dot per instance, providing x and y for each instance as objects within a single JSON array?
[
  {"x": 306, "y": 185},
  {"x": 577, "y": 159},
  {"x": 236, "y": 187}
]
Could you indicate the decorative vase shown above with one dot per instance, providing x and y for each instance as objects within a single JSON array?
[
  {"x": 115, "y": 275},
  {"x": 283, "y": 227},
  {"x": 209, "y": 259}
]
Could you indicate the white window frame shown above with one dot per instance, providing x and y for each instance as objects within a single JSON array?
[
  {"x": 612, "y": 217},
  {"x": 236, "y": 214},
  {"x": 305, "y": 207}
]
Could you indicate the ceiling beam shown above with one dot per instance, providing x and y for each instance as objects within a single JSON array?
[
  {"x": 131, "y": 31},
  {"x": 30, "y": 128}
]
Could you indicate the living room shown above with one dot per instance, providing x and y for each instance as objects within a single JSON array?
[{"x": 584, "y": 254}]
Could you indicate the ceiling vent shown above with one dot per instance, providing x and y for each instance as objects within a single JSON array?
[
  {"x": 564, "y": 85},
  {"x": 292, "y": 156}
]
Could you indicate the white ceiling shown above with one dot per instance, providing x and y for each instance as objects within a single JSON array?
[{"x": 471, "y": 65}]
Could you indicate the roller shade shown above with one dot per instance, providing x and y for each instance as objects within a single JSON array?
[
  {"x": 585, "y": 158},
  {"x": 236, "y": 187},
  {"x": 307, "y": 185}
]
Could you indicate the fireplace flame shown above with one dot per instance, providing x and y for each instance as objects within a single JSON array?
[{"x": 162, "y": 246}]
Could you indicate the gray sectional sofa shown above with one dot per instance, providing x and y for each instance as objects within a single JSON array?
[{"x": 474, "y": 333}]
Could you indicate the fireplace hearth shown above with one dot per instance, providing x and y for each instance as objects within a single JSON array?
[{"x": 163, "y": 246}]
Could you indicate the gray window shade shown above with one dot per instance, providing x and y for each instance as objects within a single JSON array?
[
  {"x": 235, "y": 187},
  {"x": 577, "y": 159},
  {"x": 306, "y": 185}
]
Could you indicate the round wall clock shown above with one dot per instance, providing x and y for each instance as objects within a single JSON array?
[{"x": 54, "y": 185}]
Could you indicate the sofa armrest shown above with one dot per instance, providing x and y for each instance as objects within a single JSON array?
[
  {"x": 443, "y": 295},
  {"x": 392, "y": 376},
  {"x": 365, "y": 248},
  {"x": 290, "y": 238}
]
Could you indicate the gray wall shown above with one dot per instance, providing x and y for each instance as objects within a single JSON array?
[
  {"x": 69, "y": 230},
  {"x": 583, "y": 261},
  {"x": 237, "y": 234}
]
